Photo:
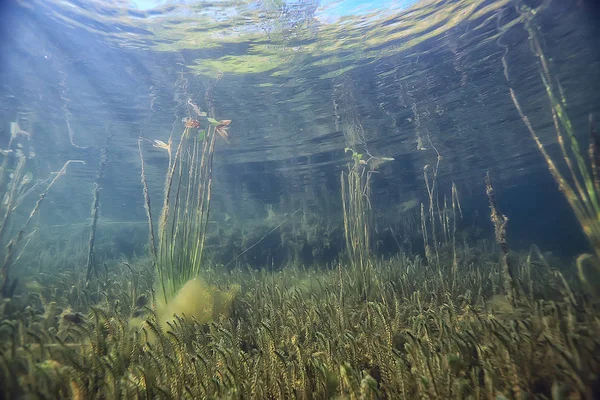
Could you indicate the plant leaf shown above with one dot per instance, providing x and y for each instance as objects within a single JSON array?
[{"x": 222, "y": 131}]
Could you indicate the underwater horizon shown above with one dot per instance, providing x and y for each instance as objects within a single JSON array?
[{"x": 299, "y": 199}]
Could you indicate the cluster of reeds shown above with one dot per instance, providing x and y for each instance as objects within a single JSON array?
[
  {"x": 15, "y": 184},
  {"x": 15, "y": 187},
  {"x": 305, "y": 333},
  {"x": 183, "y": 220},
  {"x": 439, "y": 223},
  {"x": 95, "y": 209},
  {"x": 581, "y": 183},
  {"x": 356, "y": 206}
]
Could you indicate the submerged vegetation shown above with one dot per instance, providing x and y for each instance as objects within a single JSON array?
[
  {"x": 183, "y": 222},
  {"x": 504, "y": 326},
  {"x": 306, "y": 333},
  {"x": 582, "y": 187},
  {"x": 16, "y": 185},
  {"x": 186, "y": 202},
  {"x": 462, "y": 320}
]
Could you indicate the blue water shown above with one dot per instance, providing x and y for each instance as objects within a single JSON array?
[{"x": 413, "y": 78}]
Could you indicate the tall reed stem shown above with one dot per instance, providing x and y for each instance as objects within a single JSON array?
[
  {"x": 582, "y": 191},
  {"x": 14, "y": 243},
  {"x": 357, "y": 226},
  {"x": 184, "y": 218}
]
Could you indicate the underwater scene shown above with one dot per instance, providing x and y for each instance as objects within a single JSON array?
[{"x": 299, "y": 199}]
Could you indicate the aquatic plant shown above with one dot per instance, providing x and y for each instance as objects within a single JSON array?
[
  {"x": 500, "y": 221},
  {"x": 356, "y": 191},
  {"x": 582, "y": 190},
  {"x": 14, "y": 186},
  {"x": 184, "y": 216},
  {"x": 6, "y": 284},
  {"x": 308, "y": 333},
  {"x": 439, "y": 223},
  {"x": 432, "y": 256},
  {"x": 95, "y": 209},
  {"x": 183, "y": 221}
]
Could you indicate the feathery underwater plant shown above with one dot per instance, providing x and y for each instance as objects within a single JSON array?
[{"x": 293, "y": 337}]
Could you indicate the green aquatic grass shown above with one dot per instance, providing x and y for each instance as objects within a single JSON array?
[
  {"x": 183, "y": 220},
  {"x": 308, "y": 333},
  {"x": 582, "y": 188},
  {"x": 356, "y": 192},
  {"x": 178, "y": 249}
]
